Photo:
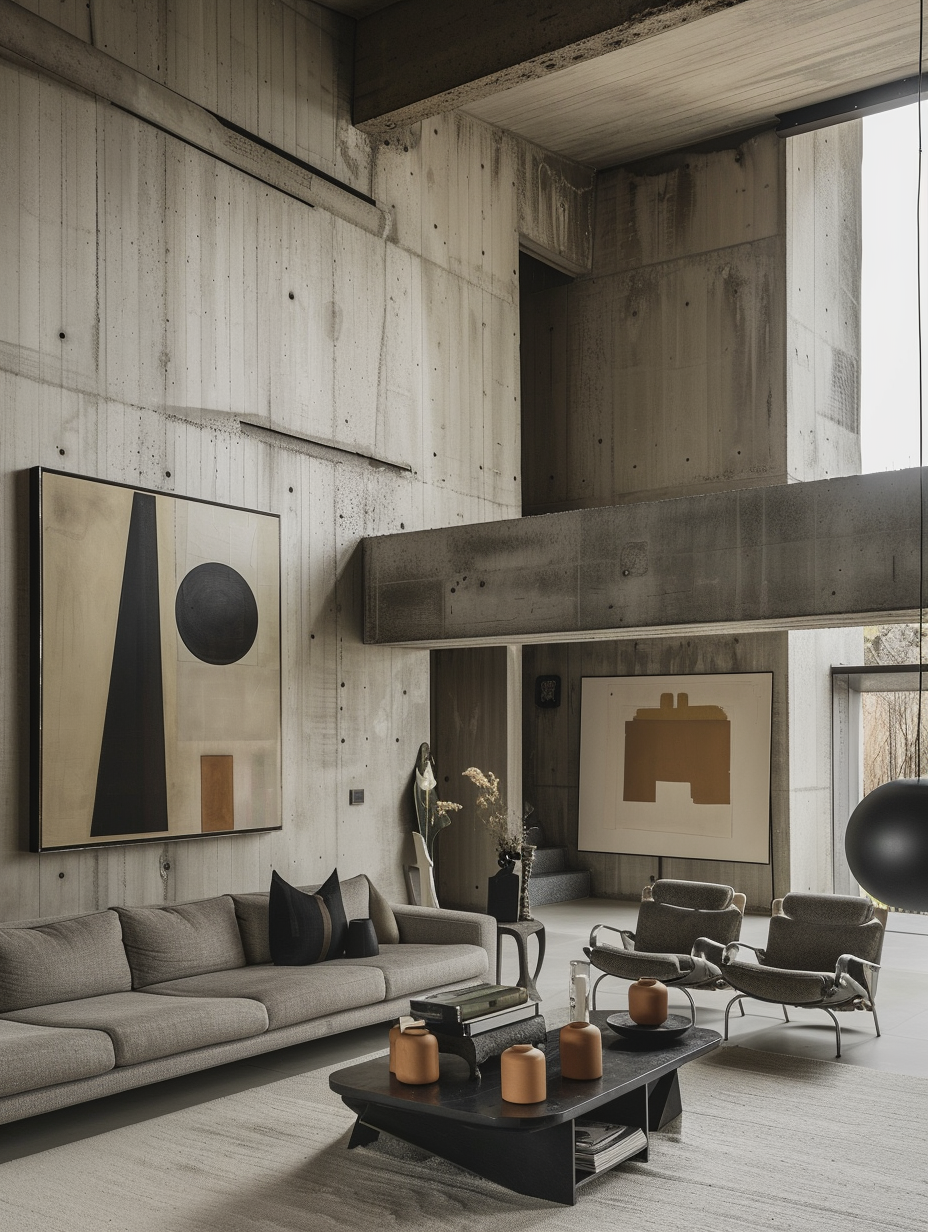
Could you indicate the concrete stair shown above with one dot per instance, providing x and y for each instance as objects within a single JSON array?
[{"x": 553, "y": 880}]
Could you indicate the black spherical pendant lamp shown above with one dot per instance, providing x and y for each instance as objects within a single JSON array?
[
  {"x": 886, "y": 841},
  {"x": 887, "y": 844}
]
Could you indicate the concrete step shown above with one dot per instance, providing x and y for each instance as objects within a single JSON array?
[
  {"x": 558, "y": 887},
  {"x": 550, "y": 860}
]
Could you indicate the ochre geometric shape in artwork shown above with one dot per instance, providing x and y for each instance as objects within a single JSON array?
[
  {"x": 217, "y": 811},
  {"x": 131, "y": 791},
  {"x": 682, "y": 744}
]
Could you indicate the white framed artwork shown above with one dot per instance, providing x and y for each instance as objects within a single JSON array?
[{"x": 677, "y": 765}]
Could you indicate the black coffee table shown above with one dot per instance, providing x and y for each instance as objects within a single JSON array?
[{"x": 525, "y": 1147}]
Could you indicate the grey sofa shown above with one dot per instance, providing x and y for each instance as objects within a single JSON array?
[{"x": 95, "y": 1004}]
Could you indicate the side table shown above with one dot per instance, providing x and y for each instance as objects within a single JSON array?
[{"x": 521, "y": 930}]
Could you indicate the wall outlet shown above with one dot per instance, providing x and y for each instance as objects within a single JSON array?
[{"x": 356, "y": 795}]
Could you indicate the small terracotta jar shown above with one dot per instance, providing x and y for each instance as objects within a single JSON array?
[
  {"x": 416, "y": 1056},
  {"x": 647, "y": 1003},
  {"x": 522, "y": 1073},
  {"x": 403, "y": 1025},
  {"x": 581, "y": 1047}
]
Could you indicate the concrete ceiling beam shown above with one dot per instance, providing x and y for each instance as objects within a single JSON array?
[
  {"x": 417, "y": 59},
  {"x": 827, "y": 554}
]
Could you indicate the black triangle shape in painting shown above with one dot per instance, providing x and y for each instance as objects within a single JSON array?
[{"x": 131, "y": 796}]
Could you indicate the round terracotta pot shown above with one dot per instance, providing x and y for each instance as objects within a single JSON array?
[
  {"x": 581, "y": 1047},
  {"x": 522, "y": 1071},
  {"x": 647, "y": 1003},
  {"x": 416, "y": 1056}
]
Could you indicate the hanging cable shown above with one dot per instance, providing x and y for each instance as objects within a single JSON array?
[{"x": 921, "y": 421}]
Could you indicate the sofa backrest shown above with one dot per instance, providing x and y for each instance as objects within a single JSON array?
[
  {"x": 63, "y": 960},
  {"x": 170, "y": 943}
]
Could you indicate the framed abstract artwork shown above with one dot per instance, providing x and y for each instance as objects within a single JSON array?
[
  {"x": 677, "y": 766},
  {"x": 155, "y": 665}
]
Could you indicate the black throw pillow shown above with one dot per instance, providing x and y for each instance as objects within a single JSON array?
[{"x": 305, "y": 928}]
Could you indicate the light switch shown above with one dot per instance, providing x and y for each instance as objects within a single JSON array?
[{"x": 356, "y": 795}]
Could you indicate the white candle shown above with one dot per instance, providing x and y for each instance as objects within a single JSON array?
[{"x": 580, "y": 996}]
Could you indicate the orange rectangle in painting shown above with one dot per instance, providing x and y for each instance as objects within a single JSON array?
[{"x": 216, "y": 808}]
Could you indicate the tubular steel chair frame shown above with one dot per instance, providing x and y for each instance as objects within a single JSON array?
[{"x": 852, "y": 987}]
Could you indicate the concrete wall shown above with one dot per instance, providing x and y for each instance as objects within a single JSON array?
[
  {"x": 476, "y": 721},
  {"x": 715, "y": 343},
  {"x": 668, "y": 359},
  {"x": 154, "y": 296}
]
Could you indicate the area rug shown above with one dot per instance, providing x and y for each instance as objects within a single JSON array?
[{"x": 766, "y": 1142}]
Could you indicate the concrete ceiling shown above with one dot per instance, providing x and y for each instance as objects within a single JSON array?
[{"x": 728, "y": 71}]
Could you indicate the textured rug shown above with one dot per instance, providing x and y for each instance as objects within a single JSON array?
[{"x": 765, "y": 1142}]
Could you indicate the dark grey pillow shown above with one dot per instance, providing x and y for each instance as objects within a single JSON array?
[{"x": 305, "y": 928}]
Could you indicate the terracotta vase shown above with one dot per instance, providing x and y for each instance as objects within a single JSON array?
[
  {"x": 522, "y": 1071},
  {"x": 581, "y": 1047},
  {"x": 403, "y": 1025},
  {"x": 647, "y": 1003},
  {"x": 416, "y": 1056}
]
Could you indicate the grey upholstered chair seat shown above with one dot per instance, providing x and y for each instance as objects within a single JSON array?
[
  {"x": 779, "y": 985},
  {"x": 630, "y": 965}
]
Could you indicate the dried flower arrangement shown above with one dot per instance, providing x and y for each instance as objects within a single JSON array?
[{"x": 505, "y": 827}]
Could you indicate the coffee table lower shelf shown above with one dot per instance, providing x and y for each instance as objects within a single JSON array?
[{"x": 526, "y": 1148}]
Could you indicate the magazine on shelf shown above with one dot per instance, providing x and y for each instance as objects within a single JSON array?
[{"x": 599, "y": 1145}]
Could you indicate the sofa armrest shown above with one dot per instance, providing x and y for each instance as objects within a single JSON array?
[{"x": 438, "y": 926}]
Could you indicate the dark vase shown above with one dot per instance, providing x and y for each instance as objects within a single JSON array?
[{"x": 503, "y": 896}]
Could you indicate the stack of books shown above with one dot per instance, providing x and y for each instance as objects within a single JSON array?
[
  {"x": 599, "y": 1146},
  {"x": 474, "y": 1010}
]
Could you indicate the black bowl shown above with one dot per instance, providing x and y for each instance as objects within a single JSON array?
[{"x": 672, "y": 1028}]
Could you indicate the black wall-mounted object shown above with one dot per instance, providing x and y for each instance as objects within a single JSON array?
[
  {"x": 548, "y": 692},
  {"x": 355, "y": 795}
]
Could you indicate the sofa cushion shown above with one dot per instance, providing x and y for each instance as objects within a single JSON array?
[
  {"x": 33, "y": 1057},
  {"x": 251, "y": 915},
  {"x": 380, "y": 911},
  {"x": 62, "y": 961},
  {"x": 143, "y": 1027},
  {"x": 289, "y": 994},
  {"x": 169, "y": 943},
  {"x": 360, "y": 898},
  {"x": 305, "y": 928},
  {"x": 409, "y": 969}
]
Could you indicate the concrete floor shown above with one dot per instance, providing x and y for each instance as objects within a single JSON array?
[{"x": 903, "y": 1048}]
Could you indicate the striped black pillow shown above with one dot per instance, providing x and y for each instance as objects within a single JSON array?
[{"x": 305, "y": 928}]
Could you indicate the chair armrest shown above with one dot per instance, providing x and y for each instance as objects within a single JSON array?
[
  {"x": 740, "y": 901},
  {"x": 711, "y": 951},
  {"x": 438, "y": 926},
  {"x": 776, "y": 907},
  {"x": 730, "y": 952},
  {"x": 623, "y": 933},
  {"x": 843, "y": 979}
]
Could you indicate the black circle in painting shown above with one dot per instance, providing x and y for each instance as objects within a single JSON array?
[{"x": 216, "y": 614}]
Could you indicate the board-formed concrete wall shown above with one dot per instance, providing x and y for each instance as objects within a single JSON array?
[{"x": 154, "y": 297}]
